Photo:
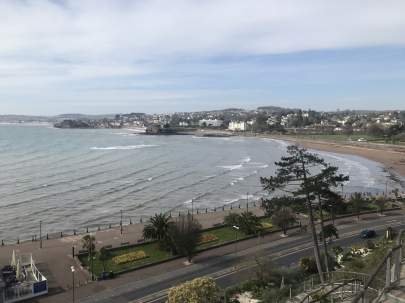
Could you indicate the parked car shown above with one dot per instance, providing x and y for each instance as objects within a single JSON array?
[
  {"x": 105, "y": 275},
  {"x": 368, "y": 233}
]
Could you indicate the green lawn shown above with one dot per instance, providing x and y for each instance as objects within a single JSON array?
[
  {"x": 151, "y": 249},
  {"x": 224, "y": 234},
  {"x": 344, "y": 138}
]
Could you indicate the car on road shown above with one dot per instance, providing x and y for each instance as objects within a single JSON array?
[{"x": 368, "y": 233}]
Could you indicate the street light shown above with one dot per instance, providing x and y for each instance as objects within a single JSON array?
[
  {"x": 236, "y": 228},
  {"x": 121, "y": 222},
  {"x": 192, "y": 209},
  {"x": 72, "y": 268},
  {"x": 40, "y": 234},
  {"x": 332, "y": 214}
]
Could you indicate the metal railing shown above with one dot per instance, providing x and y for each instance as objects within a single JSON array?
[{"x": 389, "y": 269}]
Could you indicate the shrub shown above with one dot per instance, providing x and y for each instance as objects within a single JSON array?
[
  {"x": 195, "y": 291},
  {"x": 231, "y": 219},
  {"x": 246, "y": 221},
  {"x": 308, "y": 265},
  {"x": 370, "y": 244}
]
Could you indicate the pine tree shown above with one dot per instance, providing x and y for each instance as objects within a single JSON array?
[{"x": 304, "y": 176}]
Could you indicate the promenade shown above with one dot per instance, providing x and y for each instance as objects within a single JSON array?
[{"x": 55, "y": 258}]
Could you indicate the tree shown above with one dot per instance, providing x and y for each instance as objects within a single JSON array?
[
  {"x": 231, "y": 219},
  {"x": 322, "y": 185},
  {"x": 89, "y": 244},
  {"x": 292, "y": 176},
  {"x": 199, "y": 290},
  {"x": 185, "y": 236},
  {"x": 158, "y": 229},
  {"x": 284, "y": 217},
  {"x": 381, "y": 203},
  {"x": 249, "y": 223},
  {"x": 104, "y": 255},
  {"x": 270, "y": 206},
  {"x": 246, "y": 221},
  {"x": 329, "y": 231},
  {"x": 357, "y": 203}
]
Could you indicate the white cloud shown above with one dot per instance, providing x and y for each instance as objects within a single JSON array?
[
  {"x": 113, "y": 30},
  {"x": 43, "y": 43}
]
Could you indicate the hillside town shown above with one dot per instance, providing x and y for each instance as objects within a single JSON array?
[{"x": 262, "y": 119}]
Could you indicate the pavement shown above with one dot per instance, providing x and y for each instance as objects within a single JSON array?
[
  {"x": 55, "y": 259},
  {"x": 236, "y": 266},
  {"x": 223, "y": 263}
]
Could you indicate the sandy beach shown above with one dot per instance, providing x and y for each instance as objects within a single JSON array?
[{"x": 392, "y": 157}]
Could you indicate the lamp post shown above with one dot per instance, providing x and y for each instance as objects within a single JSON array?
[
  {"x": 332, "y": 214},
  {"x": 40, "y": 234},
  {"x": 121, "y": 222},
  {"x": 342, "y": 190},
  {"x": 247, "y": 201},
  {"x": 192, "y": 209},
  {"x": 72, "y": 268},
  {"x": 236, "y": 228},
  {"x": 91, "y": 257}
]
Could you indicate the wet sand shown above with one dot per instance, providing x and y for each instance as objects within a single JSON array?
[{"x": 392, "y": 157}]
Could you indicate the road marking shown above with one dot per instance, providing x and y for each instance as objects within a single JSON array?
[{"x": 249, "y": 264}]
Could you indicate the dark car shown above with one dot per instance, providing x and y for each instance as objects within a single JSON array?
[
  {"x": 368, "y": 233},
  {"x": 105, "y": 275}
]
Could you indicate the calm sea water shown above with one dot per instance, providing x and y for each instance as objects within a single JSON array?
[{"x": 77, "y": 178}]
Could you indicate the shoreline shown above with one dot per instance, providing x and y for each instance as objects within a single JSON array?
[{"x": 393, "y": 159}]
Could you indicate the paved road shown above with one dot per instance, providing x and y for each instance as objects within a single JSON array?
[{"x": 235, "y": 267}]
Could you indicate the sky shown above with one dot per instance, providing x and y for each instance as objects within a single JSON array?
[{"x": 120, "y": 56}]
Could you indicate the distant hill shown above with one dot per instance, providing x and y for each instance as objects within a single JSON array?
[
  {"x": 24, "y": 118},
  {"x": 83, "y": 117},
  {"x": 274, "y": 109}
]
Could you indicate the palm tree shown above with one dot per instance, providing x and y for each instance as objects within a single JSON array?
[
  {"x": 158, "y": 229},
  {"x": 104, "y": 255},
  {"x": 329, "y": 231},
  {"x": 357, "y": 203},
  {"x": 89, "y": 244}
]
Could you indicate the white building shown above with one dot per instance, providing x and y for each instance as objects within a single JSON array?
[
  {"x": 210, "y": 122},
  {"x": 237, "y": 126}
]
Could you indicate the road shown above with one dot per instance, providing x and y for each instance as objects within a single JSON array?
[{"x": 233, "y": 268}]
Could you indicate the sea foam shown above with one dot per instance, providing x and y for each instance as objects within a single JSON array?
[{"x": 124, "y": 147}]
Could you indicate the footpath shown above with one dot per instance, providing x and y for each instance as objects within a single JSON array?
[{"x": 55, "y": 258}]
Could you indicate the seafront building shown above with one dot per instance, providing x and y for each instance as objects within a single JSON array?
[
  {"x": 237, "y": 126},
  {"x": 210, "y": 123}
]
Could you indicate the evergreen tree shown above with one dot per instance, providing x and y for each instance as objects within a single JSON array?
[{"x": 304, "y": 176}]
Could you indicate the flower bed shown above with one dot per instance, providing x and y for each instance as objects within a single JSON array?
[
  {"x": 130, "y": 257},
  {"x": 207, "y": 238},
  {"x": 266, "y": 225}
]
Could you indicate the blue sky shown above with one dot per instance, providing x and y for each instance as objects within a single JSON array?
[{"x": 165, "y": 56}]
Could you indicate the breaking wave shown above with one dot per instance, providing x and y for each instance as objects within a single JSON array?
[{"x": 123, "y": 147}]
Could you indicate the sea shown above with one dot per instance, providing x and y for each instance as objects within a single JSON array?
[{"x": 77, "y": 178}]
